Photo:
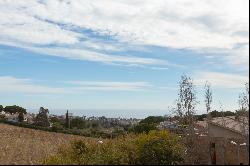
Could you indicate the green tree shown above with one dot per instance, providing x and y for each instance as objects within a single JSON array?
[
  {"x": 42, "y": 118},
  {"x": 1, "y": 108},
  {"x": 147, "y": 124},
  {"x": 78, "y": 123},
  {"x": 144, "y": 127},
  {"x": 20, "y": 117},
  {"x": 152, "y": 119},
  {"x": 57, "y": 120},
  {"x": 14, "y": 109},
  {"x": 57, "y": 126},
  {"x": 67, "y": 124}
]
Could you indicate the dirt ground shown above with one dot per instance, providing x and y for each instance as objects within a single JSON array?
[{"x": 28, "y": 146}]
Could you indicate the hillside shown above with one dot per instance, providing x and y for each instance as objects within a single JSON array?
[{"x": 27, "y": 146}]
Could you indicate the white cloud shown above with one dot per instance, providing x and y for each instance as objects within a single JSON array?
[
  {"x": 239, "y": 56},
  {"x": 26, "y": 86},
  {"x": 203, "y": 24},
  {"x": 11, "y": 84},
  {"x": 99, "y": 57},
  {"x": 107, "y": 85},
  {"x": 220, "y": 79}
]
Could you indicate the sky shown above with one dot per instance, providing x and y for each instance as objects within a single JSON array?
[{"x": 121, "y": 57}]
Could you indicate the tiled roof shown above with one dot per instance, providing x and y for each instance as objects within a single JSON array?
[{"x": 230, "y": 123}]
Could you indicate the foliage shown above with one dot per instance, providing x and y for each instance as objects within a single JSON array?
[
  {"x": 56, "y": 126},
  {"x": 56, "y": 120},
  {"x": 2, "y": 117},
  {"x": 221, "y": 113},
  {"x": 78, "y": 123},
  {"x": 152, "y": 119},
  {"x": 67, "y": 124},
  {"x": 20, "y": 117},
  {"x": 147, "y": 124},
  {"x": 14, "y": 109},
  {"x": 42, "y": 118},
  {"x": 185, "y": 109},
  {"x": 129, "y": 149},
  {"x": 186, "y": 101},
  {"x": 1, "y": 108},
  {"x": 208, "y": 96},
  {"x": 159, "y": 148},
  {"x": 143, "y": 128}
]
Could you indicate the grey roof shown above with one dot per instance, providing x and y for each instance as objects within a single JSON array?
[
  {"x": 239, "y": 125},
  {"x": 230, "y": 122}
]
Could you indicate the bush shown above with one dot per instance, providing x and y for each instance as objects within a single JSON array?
[
  {"x": 148, "y": 124},
  {"x": 153, "y": 148},
  {"x": 56, "y": 126},
  {"x": 159, "y": 148},
  {"x": 143, "y": 128}
]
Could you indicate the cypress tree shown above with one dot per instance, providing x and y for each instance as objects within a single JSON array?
[{"x": 67, "y": 119}]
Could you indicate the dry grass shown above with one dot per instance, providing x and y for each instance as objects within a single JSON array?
[{"x": 28, "y": 146}]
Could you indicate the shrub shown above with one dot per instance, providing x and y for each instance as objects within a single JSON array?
[
  {"x": 159, "y": 148},
  {"x": 153, "y": 148}
]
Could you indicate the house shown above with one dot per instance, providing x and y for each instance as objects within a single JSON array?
[
  {"x": 12, "y": 117},
  {"x": 171, "y": 125},
  {"x": 29, "y": 118},
  {"x": 229, "y": 127},
  {"x": 2, "y": 113},
  {"x": 229, "y": 139}
]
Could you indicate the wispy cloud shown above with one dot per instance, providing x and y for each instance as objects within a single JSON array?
[
  {"x": 11, "y": 84},
  {"x": 107, "y": 85},
  {"x": 98, "y": 57},
  {"x": 176, "y": 24},
  {"x": 221, "y": 80},
  {"x": 26, "y": 86}
]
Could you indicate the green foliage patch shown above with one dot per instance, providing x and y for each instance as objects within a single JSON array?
[{"x": 156, "y": 147}]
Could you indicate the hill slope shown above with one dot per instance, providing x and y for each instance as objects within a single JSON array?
[{"x": 27, "y": 146}]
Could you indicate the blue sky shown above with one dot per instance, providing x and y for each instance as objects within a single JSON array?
[{"x": 122, "y": 58}]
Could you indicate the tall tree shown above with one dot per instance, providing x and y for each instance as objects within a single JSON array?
[
  {"x": 208, "y": 101},
  {"x": 185, "y": 110},
  {"x": 244, "y": 99},
  {"x": 42, "y": 118},
  {"x": 243, "y": 114},
  {"x": 67, "y": 125}
]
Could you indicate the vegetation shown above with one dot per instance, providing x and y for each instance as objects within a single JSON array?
[
  {"x": 21, "y": 146},
  {"x": 159, "y": 148},
  {"x": 42, "y": 118},
  {"x": 67, "y": 123},
  {"x": 122, "y": 143},
  {"x": 147, "y": 124},
  {"x": 13, "y": 109},
  {"x": 78, "y": 123},
  {"x": 20, "y": 117}
]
